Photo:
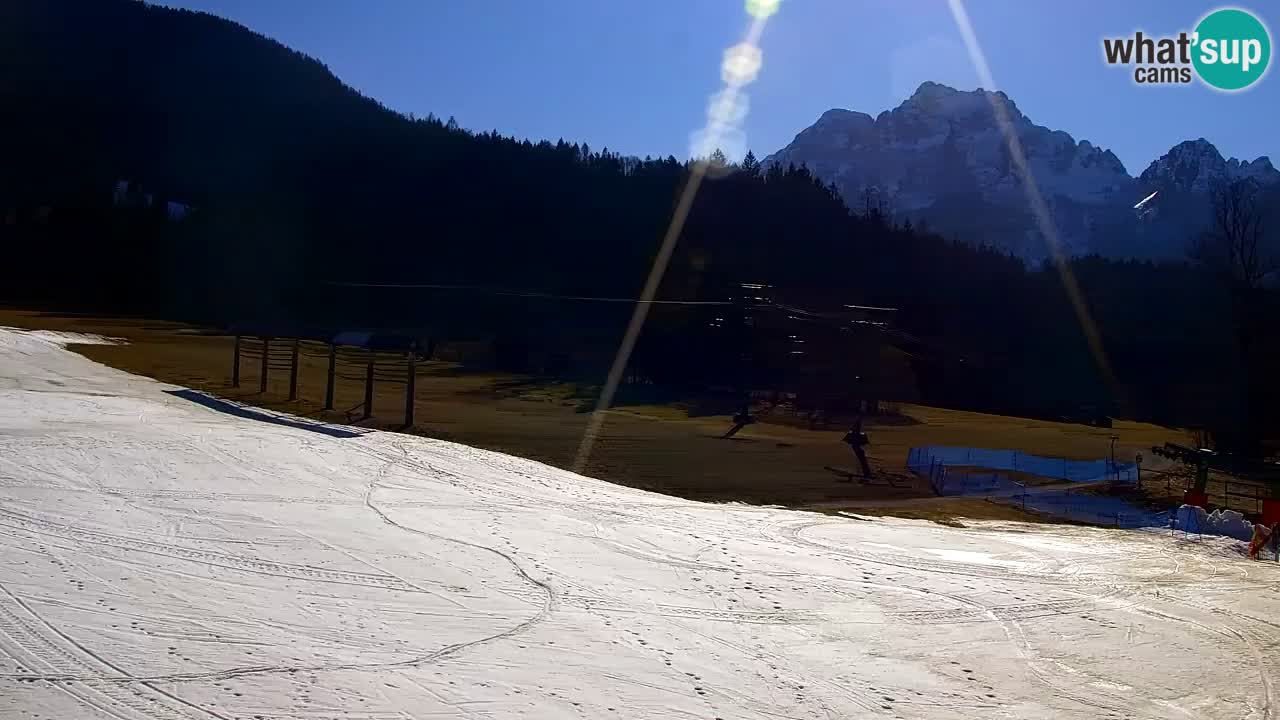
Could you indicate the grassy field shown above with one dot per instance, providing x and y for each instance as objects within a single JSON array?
[{"x": 657, "y": 448}]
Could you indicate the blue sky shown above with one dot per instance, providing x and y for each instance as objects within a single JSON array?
[{"x": 636, "y": 76}]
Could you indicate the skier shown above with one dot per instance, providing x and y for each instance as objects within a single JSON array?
[
  {"x": 858, "y": 441},
  {"x": 742, "y": 419}
]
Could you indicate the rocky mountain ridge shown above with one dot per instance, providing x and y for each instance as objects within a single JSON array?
[{"x": 941, "y": 158}]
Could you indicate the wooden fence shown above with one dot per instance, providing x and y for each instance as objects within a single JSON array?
[{"x": 345, "y": 362}]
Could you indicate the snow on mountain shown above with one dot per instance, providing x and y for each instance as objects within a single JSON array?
[{"x": 941, "y": 156}]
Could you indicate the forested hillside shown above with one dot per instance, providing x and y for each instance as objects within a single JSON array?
[{"x": 298, "y": 181}]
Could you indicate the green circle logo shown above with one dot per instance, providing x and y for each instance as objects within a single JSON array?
[{"x": 1232, "y": 49}]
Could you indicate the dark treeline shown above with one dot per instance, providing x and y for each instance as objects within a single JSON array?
[{"x": 294, "y": 181}]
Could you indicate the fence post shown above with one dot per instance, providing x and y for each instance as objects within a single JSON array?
[
  {"x": 409, "y": 385},
  {"x": 368, "y": 388},
  {"x": 328, "y": 389},
  {"x": 235, "y": 365},
  {"x": 293, "y": 372},
  {"x": 266, "y": 352}
]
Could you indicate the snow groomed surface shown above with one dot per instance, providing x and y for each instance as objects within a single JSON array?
[{"x": 165, "y": 558}]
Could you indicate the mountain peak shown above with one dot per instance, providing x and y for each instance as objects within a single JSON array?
[
  {"x": 1197, "y": 165},
  {"x": 938, "y": 100},
  {"x": 928, "y": 88},
  {"x": 840, "y": 116},
  {"x": 942, "y": 144},
  {"x": 1198, "y": 146}
]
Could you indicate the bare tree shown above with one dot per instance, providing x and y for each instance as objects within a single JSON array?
[
  {"x": 1236, "y": 248},
  {"x": 1235, "y": 245},
  {"x": 876, "y": 204}
]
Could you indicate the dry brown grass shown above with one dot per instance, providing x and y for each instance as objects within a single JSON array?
[{"x": 655, "y": 448}]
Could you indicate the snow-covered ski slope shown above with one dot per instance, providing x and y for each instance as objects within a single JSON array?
[{"x": 163, "y": 559}]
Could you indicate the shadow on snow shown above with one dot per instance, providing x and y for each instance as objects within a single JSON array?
[{"x": 267, "y": 416}]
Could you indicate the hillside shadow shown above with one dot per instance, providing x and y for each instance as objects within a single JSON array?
[{"x": 266, "y": 416}]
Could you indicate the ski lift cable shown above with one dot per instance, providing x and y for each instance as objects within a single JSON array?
[{"x": 523, "y": 293}]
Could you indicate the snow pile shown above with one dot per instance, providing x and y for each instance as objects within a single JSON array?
[
  {"x": 1228, "y": 523},
  {"x": 1191, "y": 518},
  {"x": 1231, "y": 524}
]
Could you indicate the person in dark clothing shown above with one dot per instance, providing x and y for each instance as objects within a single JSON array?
[
  {"x": 742, "y": 419},
  {"x": 858, "y": 441}
]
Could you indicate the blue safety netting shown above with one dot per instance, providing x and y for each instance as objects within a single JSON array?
[
  {"x": 932, "y": 456},
  {"x": 949, "y": 470}
]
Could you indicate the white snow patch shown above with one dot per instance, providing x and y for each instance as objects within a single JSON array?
[
  {"x": 967, "y": 556},
  {"x": 1145, "y": 200},
  {"x": 54, "y": 337}
]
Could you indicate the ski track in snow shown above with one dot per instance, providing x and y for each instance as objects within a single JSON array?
[{"x": 160, "y": 560}]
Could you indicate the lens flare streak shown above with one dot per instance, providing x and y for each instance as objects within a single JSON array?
[
  {"x": 725, "y": 113},
  {"x": 1036, "y": 201}
]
